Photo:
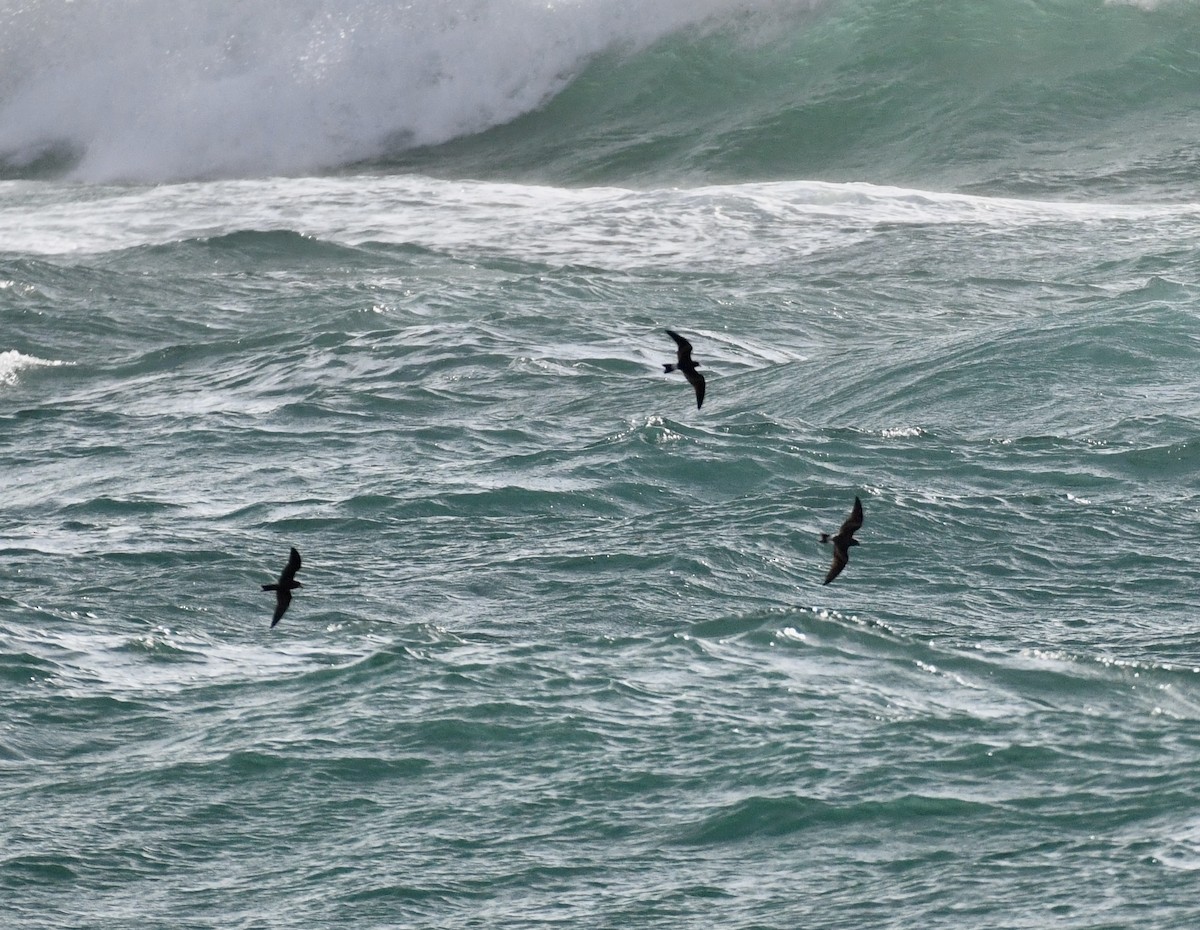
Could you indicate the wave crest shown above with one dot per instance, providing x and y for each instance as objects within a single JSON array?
[
  {"x": 1051, "y": 98},
  {"x": 141, "y": 90}
]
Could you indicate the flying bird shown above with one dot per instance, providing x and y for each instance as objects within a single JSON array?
[
  {"x": 283, "y": 588},
  {"x": 687, "y": 366},
  {"x": 843, "y": 541}
]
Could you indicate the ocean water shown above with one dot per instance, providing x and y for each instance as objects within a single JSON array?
[{"x": 388, "y": 283}]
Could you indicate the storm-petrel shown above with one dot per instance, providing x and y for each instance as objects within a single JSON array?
[
  {"x": 687, "y": 366},
  {"x": 283, "y": 588},
  {"x": 843, "y": 541}
]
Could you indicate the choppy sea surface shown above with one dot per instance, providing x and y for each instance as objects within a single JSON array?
[{"x": 389, "y": 284}]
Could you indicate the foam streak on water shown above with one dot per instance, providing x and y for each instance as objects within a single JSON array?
[{"x": 746, "y": 224}]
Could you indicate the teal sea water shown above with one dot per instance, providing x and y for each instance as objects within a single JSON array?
[{"x": 388, "y": 283}]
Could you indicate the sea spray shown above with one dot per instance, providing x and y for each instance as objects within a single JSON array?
[{"x": 139, "y": 90}]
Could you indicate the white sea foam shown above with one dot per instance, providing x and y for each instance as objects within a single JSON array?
[
  {"x": 747, "y": 224},
  {"x": 12, "y": 363},
  {"x": 145, "y": 90}
]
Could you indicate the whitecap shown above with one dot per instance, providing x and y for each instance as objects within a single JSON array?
[{"x": 12, "y": 363}]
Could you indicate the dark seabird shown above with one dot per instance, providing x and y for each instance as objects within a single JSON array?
[
  {"x": 283, "y": 588},
  {"x": 687, "y": 366},
  {"x": 843, "y": 541}
]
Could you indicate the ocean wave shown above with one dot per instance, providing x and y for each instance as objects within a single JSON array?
[
  {"x": 1056, "y": 96},
  {"x": 134, "y": 90}
]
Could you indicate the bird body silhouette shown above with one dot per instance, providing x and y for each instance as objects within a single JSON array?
[
  {"x": 685, "y": 364},
  {"x": 843, "y": 540},
  {"x": 283, "y": 587}
]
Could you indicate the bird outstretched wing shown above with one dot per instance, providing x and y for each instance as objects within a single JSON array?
[
  {"x": 697, "y": 381},
  {"x": 293, "y": 566},
  {"x": 840, "y": 557},
  {"x": 685, "y": 347},
  {"x": 283, "y": 597},
  {"x": 853, "y": 522}
]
